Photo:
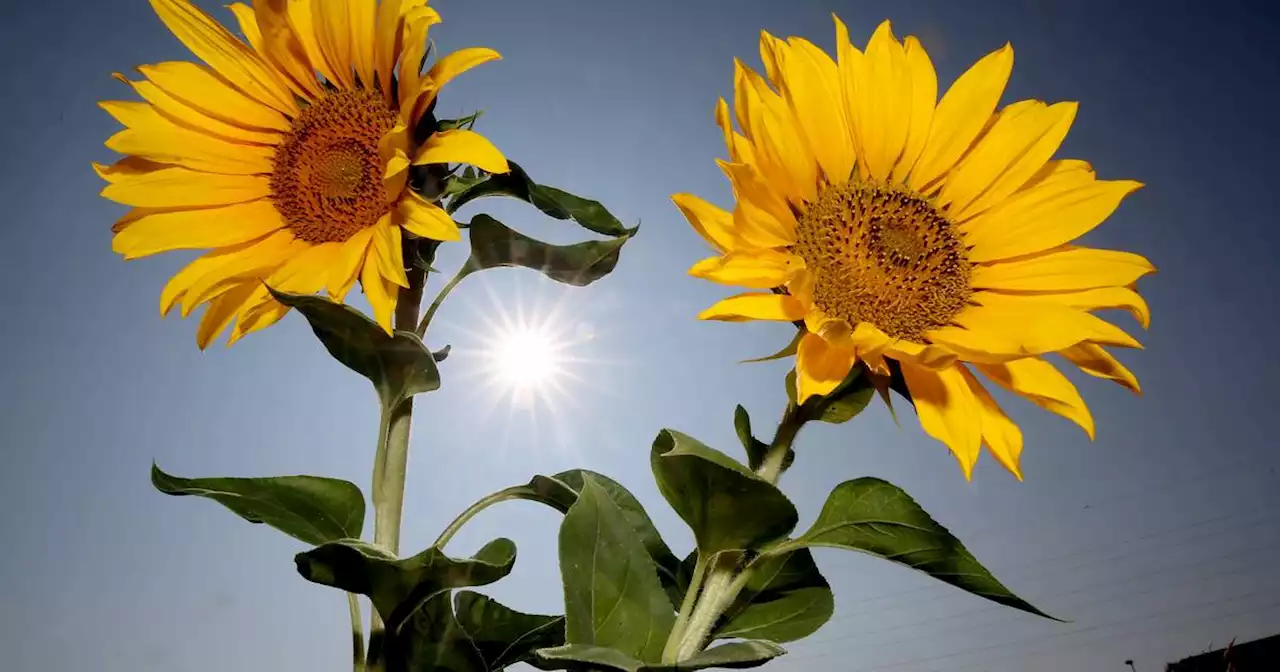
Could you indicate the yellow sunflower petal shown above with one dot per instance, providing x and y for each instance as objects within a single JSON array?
[
  {"x": 781, "y": 154},
  {"x": 333, "y": 35},
  {"x": 756, "y": 269},
  {"x": 462, "y": 146},
  {"x": 1014, "y": 150},
  {"x": 391, "y": 29},
  {"x": 152, "y": 136},
  {"x": 1045, "y": 216},
  {"x": 881, "y": 104},
  {"x": 811, "y": 86},
  {"x": 714, "y": 224},
  {"x": 167, "y": 230},
  {"x": 416, "y": 25},
  {"x": 1004, "y": 327},
  {"x": 948, "y": 410},
  {"x": 961, "y": 115},
  {"x": 1044, "y": 385},
  {"x": 755, "y": 306},
  {"x": 176, "y": 187},
  {"x": 220, "y": 313},
  {"x": 306, "y": 272},
  {"x": 182, "y": 281},
  {"x": 281, "y": 46},
  {"x": 820, "y": 366},
  {"x": 387, "y": 250},
  {"x": 191, "y": 118},
  {"x": 126, "y": 168},
  {"x": 347, "y": 264},
  {"x": 848, "y": 59},
  {"x": 762, "y": 218},
  {"x": 215, "y": 45},
  {"x": 453, "y": 64},
  {"x": 248, "y": 23},
  {"x": 1094, "y": 360},
  {"x": 381, "y": 293},
  {"x": 306, "y": 27},
  {"x": 204, "y": 90},
  {"x": 1104, "y": 298},
  {"x": 1066, "y": 270},
  {"x": 425, "y": 219},
  {"x": 739, "y": 147},
  {"x": 871, "y": 342},
  {"x": 253, "y": 263},
  {"x": 924, "y": 98},
  {"x": 362, "y": 17},
  {"x": 1001, "y": 436}
]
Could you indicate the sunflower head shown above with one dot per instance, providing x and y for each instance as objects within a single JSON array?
[
  {"x": 932, "y": 234},
  {"x": 287, "y": 154}
]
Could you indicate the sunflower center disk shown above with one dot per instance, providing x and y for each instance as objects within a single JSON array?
[
  {"x": 327, "y": 178},
  {"x": 884, "y": 256}
]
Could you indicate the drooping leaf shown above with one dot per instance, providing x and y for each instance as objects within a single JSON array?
[
  {"x": 433, "y": 639},
  {"x": 553, "y": 202},
  {"x": 495, "y": 245},
  {"x": 468, "y": 121},
  {"x": 840, "y": 405},
  {"x": 726, "y": 505},
  {"x": 737, "y": 655},
  {"x": 612, "y": 595},
  {"x": 756, "y": 449},
  {"x": 504, "y": 636},
  {"x": 787, "y": 350},
  {"x": 786, "y": 599},
  {"x": 311, "y": 509},
  {"x": 876, "y": 517},
  {"x": 399, "y": 586},
  {"x": 399, "y": 365}
]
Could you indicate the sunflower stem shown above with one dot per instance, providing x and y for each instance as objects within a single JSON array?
[
  {"x": 686, "y": 610},
  {"x": 727, "y": 574},
  {"x": 391, "y": 461},
  {"x": 514, "y": 492},
  {"x": 357, "y": 634},
  {"x": 444, "y": 292}
]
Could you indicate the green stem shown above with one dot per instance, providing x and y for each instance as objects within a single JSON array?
[
  {"x": 686, "y": 609},
  {"x": 444, "y": 292},
  {"x": 357, "y": 634},
  {"x": 728, "y": 575},
  {"x": 514, "y": 492},
  {"x": 391, "y": 461}
]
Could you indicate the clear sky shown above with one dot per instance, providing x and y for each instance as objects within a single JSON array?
[{"x": 1157, "y": 540}]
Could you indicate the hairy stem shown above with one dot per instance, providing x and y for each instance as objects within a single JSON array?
[
  {"x": 515, "y": 492},
  {"x": 686, "y": 610},
  {"x": 463, "y": 272},
  {"x": 392, "y": 458},
  {"x": 357, "y": 634},
  {"x": 727, "y": 574}
]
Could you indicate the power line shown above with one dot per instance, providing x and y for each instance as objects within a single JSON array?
[
  {"x": 1026, "y": 640},
  {"x": 1032, "y": 567},
  {"x": 1108, "y": 598}
]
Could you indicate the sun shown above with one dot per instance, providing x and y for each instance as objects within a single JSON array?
[{"x": 525, "y": 360}]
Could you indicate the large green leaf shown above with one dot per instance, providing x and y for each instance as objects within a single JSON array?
[
  {"x": 553, "y": 202},
  {"x": 612, "y": 595},
  {"x": 738, "y": 655},
  {"x": 876, "y": 517},
  {"x": 727, "y": 506},
  {"x": 433, "y": 640},
  {"x": 504, "y": 636},
  {"x": 756, "y": 449},
  {"x": 310, "y": 509},
  {"x": 399, "y": 586},
  {"x": 785, "y": 599},
  {"x": 398, "y": 365},
  {"x": 850, "y": 397},
  {"x": 494, "y": 245}
]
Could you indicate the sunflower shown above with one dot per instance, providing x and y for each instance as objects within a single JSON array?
[
  {"x": 286, "y": 155},
  {"x": 934, "y": 234}
]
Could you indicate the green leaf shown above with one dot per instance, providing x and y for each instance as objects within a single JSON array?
[
  {"x": 612, "y": 595},
  {"x": 756, "y": 449},
  {"x": 433, "y": 639},
  {"x": 786, "y": 599},
  {"x": 876, "y": 517},
  {"x": 504, "y": 636},
  {"x": 786, "y": 351},
  {"x": 847, "y": 400},
  {"x": 551, "y": 201},
  {"x": 738, "y": 655},
  {"x": 495, "y": 245},
  {"x": 468, "y": 122},
  {"x": 399, "y": 586},
  {"x": 399, "y": 365},
  {"x": 311, "y": 509},
  {"x": 727, "y": 506}
]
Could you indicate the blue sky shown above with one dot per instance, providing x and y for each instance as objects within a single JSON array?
[{"x": 1156, "y": 540}]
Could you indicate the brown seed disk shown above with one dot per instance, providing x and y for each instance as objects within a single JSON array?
[
  {"x": 327, "y": 177},
  {"x": 884, "y": 256}
]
